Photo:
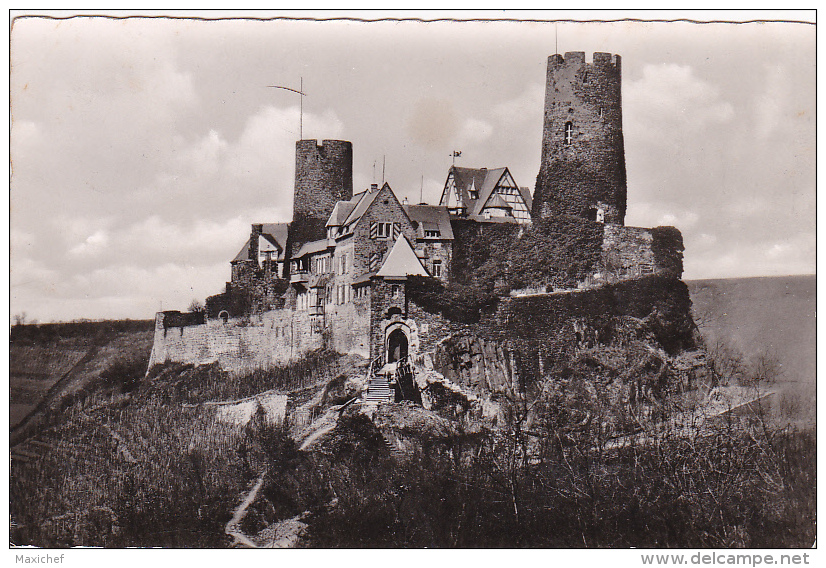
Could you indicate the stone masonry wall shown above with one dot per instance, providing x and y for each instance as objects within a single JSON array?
[
  {"x": 240, "y": 344},
  {"x": 631, "y": 252},
  {"x": 349, "y": 326},
  {"x": 384, "y": 209},
  {"x": 435, "y": 250},
  {"x": 588, "y": 171}
]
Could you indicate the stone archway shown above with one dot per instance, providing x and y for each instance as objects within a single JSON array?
[{"x": 398, "y": 345}]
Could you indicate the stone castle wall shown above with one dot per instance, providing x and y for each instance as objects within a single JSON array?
[
  {"x": 587, "y": 170},
  {"x": 634, "y": 252},
  {"x": 271, "y": 338}
]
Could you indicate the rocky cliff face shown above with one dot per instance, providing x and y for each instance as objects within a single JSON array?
[
  {"x": 622, "y": 373},
  {"x": 482, "y": 366}
]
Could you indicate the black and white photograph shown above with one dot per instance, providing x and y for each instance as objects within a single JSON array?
[{"x": 413, "y": 279}]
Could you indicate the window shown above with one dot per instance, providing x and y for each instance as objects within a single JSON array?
[
  {"x": 569, "y": 132},
  {"x": 432, "y": 234},
  {"x": 384, "y": 230},
  {"x": 437, "y": 268},
  {"x": 343, "y": 264},
  {"x": 396, "y": 290}
]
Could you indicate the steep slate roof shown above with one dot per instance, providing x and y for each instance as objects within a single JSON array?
[
  {"x": 482, "y": 179},
  {"x": 340, "y": 213},
  {"x": 278, "y": 231},
  {"x": 311, "y": 247},
  {"x": 366, "y": 199},
  {"x": 244, "y": 253},
  {"x": 402, "y": 261},
  {"x": 430, "y": 217}
]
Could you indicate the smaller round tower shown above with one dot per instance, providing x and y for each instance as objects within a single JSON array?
[{"x": 582, "y": 172}]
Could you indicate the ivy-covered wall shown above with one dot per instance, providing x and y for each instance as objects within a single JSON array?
[
  {"x": 558, "y": 252},
  {"x": 551, "y": 326}
]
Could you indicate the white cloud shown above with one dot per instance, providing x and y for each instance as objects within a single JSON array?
[
  {"x": 772, "y": 104},
  {"x": 671, "y": 95},
  {"x": 474, "y": 131},
  {"x": 527, "y": 108},
  {"x": 93, "y": 244}
]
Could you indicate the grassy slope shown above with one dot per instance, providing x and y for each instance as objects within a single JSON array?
[
  {"x": 134, "y": 461},
  {"x": 774, "y": 314}
]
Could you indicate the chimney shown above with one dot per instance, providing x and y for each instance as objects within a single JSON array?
[
  {"x": 374, "y": 187},
  {"x": 405, "y": 201}
]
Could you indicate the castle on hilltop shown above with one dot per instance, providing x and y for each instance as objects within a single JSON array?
[{"x": 337, "y": 276}]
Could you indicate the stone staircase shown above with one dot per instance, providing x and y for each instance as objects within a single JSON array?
[{"x": 378, "y": 390}]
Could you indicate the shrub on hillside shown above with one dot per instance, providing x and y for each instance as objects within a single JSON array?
[{"x": 125, "y": 372}]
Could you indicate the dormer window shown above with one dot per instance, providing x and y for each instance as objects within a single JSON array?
[
  {"x": 431, "y": 234},
  {"x": 472, "y": 192},
  {"x": 569, "y": 132}
]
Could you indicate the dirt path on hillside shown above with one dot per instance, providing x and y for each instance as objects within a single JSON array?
[{"x": 233, "y": 528}]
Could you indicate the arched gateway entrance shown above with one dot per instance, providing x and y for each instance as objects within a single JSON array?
[{"x": 397, "y": 346}]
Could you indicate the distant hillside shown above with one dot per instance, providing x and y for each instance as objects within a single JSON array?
[
  {"x": 754, "y": 315},
  {"x": 47, "y": 360}
]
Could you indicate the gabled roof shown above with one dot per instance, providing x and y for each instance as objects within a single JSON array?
[
  {"x": 274, "y": 233},
  {"x": 340, "y": 213},
  {"x": 402, "y": 261},
  {"x": 267, "y": 243},
  {"x": 498, "y": 202},
  {"x": 484, "y": 181},
  {"x": 365, "y": 199},
  {"x": 277, "y": 231},
  {"x": 430, "y": 217}
]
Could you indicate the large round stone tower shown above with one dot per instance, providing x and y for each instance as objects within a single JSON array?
[
  {"x": 582, "y": 172},
  {"x": 323, "y": 176}
]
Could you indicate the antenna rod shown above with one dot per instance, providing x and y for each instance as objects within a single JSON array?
[
  {"x": 383, "y": 159},
  {"x": 301, "y": 111},
  {"x": 421, "y": 191},
  {"x": 301, "y": 92},
  {"x": 556, "y": 38}
]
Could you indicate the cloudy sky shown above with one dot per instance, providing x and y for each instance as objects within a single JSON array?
[{"x": 142, "y": 149}]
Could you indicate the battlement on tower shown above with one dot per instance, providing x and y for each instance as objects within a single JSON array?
[{"x": 577, "y": 58}]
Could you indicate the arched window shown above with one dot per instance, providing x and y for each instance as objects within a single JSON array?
[{"x": 569, "y": 132}]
